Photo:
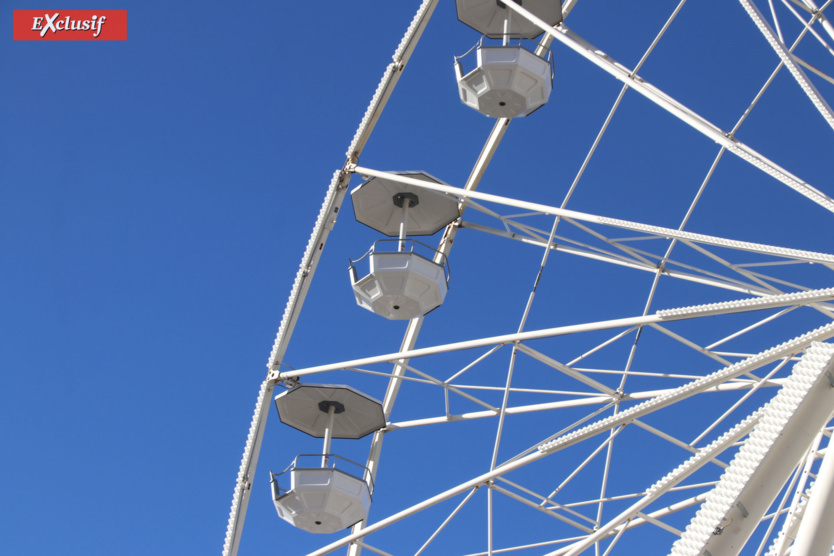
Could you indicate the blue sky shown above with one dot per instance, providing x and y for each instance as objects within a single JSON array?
[{"x": 157, "y": 195}]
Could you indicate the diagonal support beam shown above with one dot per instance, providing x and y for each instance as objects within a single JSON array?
[
  {"x": 665, "y": 315},
  {"x": 783, "y": 350},
  {"x": 623, "y": 74},
  {"x": 702, "y": 457},
  {"x": 659, "y": 231},
  {"x": 791, "y": 421},
  {"x": 694, "y": 275},
  {"x": 576, "y": 375},
  {"x": 787, "y": 59}
]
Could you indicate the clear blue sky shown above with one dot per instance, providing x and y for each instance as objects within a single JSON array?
[{"x": 156, "y": 196}]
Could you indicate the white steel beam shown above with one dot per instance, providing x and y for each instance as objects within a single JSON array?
[
  {"x": 816, "y": 531},
  {"x": 787, "y": 59},
  {"x": 540, "y": 508},
  {"x": 309, "y": 262},
  {"x": 665, "y": 315},
  {"x": 596, "y": 56},
  {"x": 695, "y": 387},
  {"x": 734, "y": 508},
  {"x": 659, "y": 231},
  {"x": 576, "y": 375},
  {"x": 783, "y": 350},
  {"x": 701, "y": 458},
  {"x": 414, "y": 325},
  {"x": 576, "y": 402},
  {"x": 678, "y": 506},
  {"x": 618, "y": 260},
  {"x": 819, "y": 15},
  {"x": 791, "y": 522}
]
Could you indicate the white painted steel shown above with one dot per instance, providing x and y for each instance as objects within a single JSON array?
[
  {"x": 658, "y": 231},
  {"x": 787, "y": 59},
  {"x": 328, "y": 436},
  {"x": 309, "y": 262},
  {"x": 621, "y": 73},
  {"x": 660, "y": 316},
  {"x": 374, "y": 205},
  {"x": 702, "y": 457},
  {"x": 508, "y": 82},
  {"x": 816, "y": 531},
  {"x": 589, "y": 394},
  {"x": 401, "y": 285},
  {"x": 784, "y": 433},
  {"x": 818, "y": 14},
  {"x": 322, "y": 500},
  {"x": 601, "y": 426},
  {"x": 494, "y": 20},
  {"x": 797, "y": 508}
]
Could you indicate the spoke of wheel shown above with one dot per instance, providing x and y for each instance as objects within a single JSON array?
[
  {"x": 604, "y": 62},
  {"x": 689, "y": 343},
  {"x": 818, "y": 14},
  {"x": 566, "y": 369},
  {"x": 783, "y": 53},
  {"x": 606, "y": 443},
  {"x": 665, "y": 315},
  {"x": 446, "y": 521},
  {"x": 740, "y": 401},
  {"x": 809, "y": 28},
  {"x": 603, "y": 220},
  {"x": 676, "y": 441},
  {"x": 679, "y": 506},
  {"x": 753, "y": 326}
]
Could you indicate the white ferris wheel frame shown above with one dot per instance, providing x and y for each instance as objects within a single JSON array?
[{"x": 762, "y": 292}]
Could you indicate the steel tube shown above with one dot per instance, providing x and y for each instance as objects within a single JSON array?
[
  {"x": 585, "y": 217},
  {"x": 803, "y": 298},
  {"x": 816, "y": 531},
  {"x": 621, "y": 73},
  {"x": 328, "y": 434}
]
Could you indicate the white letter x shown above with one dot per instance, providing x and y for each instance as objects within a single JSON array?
[{"x": 50, "y": 24}]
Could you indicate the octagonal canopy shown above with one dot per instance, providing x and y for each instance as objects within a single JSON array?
[
  {"x": 487, "y": 16},
  {"x": 374, "y": 205},
  {"x": 305, "y": 407}
]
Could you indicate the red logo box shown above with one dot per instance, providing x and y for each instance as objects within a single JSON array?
[{"x": 70, "y": 25}]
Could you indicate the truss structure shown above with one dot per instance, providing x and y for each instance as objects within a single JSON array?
[{"x": 596, "y": 382}]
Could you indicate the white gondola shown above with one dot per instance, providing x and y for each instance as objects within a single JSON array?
[
  {"x": 322, "y": 499},
  {"x": 327, "y": 497},
  {"x": 509, "y": 81},
  {"x": 402, "y": 282}
]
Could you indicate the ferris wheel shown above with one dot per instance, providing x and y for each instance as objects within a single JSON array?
[{"x": 607, "y": 333}]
